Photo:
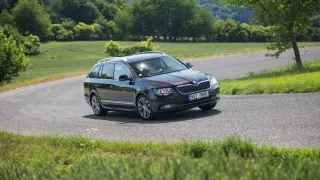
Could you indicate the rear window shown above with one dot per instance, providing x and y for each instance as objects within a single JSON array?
[
  {"x": 95, "y": 72},
  {"x": 107, "y": 71}
]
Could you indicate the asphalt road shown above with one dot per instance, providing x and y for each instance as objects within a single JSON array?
[{"x": 287, "y": 120}]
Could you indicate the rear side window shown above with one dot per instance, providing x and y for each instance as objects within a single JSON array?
[
  {"x": 120, "y": 69},
  {"x": 95, "y": 72},
  {"x": 107, "y": 71}
]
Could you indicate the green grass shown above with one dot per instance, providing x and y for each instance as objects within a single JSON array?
[
  {"x": 26, "y": 157},
  {"x": 65, "y": 59},
  {"x": 280, "y": 80}
]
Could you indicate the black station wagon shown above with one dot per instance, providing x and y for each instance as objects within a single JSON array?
[{"x": 148, "y": 83}]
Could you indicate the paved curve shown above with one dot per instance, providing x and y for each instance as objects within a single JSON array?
[{"x": 290, "y": 120}]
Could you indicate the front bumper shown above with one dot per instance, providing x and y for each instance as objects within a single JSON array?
[{"x": 181, "y": 101}]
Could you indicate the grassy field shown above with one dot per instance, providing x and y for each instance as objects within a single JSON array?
[
  {"x": 280, "y": 80},
  {"x": 25, "y": 157},
  {"x": 65, "y": 59}
]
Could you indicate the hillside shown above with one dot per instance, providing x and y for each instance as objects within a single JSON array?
[{"x": 224, "y": 11}]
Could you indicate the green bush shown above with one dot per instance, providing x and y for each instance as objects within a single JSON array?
[
  {"x": 12, "y": 57},
  {"x": 65, "y": 35},
  {"x": 31, "y": 18},
  {"x": 68, "y": 24},
  {"x": 113, "y": 48},
  {"x": 32, "y": 45},
  {"x": 83, "y": 31},
  {"x": 6, "y": 18},
  {"x": 54, "y": 30}
]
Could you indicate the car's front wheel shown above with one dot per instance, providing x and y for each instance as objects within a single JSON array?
[
  {"x": 144, "y": 108},
  {"x": 96, "y": 106},
  {"x": 208, "y": 107}
]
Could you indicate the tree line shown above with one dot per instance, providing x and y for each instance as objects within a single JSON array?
[{"x": 164, "y": 20}]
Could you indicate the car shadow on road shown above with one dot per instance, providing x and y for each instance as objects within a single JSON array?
[{"x": 167, "y": 117}]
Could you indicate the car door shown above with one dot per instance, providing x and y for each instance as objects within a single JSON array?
[
  {"x": 123, "y": 91},
  {"x": 105, "y": 84}
]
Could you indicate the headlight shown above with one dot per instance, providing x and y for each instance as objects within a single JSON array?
[
  {"x": 163, "y": 91},
  {"x": 213, "y": 81}
]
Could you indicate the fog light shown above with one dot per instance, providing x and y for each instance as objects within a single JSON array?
[{"x": 167, "y": 106}]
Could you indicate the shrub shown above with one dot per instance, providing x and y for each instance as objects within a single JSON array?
[
  {"x": 54, "y": 30},
  {"x": 65, "y": 35},
  {"x": 31, "y": 18},
  {"x": 6, "y": 18},
  {"x": 113, "y": 48},
  {"x": 97, "y": 31},
  {"x": 32, "y": 45},
  {"x": 12, "y": 57},
  {"x": 68, "y": 24},
  {"x": 83, "y": 31}
]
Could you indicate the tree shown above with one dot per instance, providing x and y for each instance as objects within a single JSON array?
[
  {"x": 78, "y": 10},
  {"x": 6, "y": 18},
  {"x": 289, "y": 18},
  {"x": 12, "y": 57},
  {"x": 31, "y": 18},
  {"x": 123, "y": 19}
]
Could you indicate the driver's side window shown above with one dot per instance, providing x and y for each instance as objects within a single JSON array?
[{"x": 119, "y": 70}]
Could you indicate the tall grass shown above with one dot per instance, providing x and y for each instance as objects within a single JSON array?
[
  {"x": 280, "y": 80},
  {"x": 24, "y": 157}
]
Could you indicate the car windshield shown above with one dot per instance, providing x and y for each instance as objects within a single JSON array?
[{"x": 157, "y": 66}]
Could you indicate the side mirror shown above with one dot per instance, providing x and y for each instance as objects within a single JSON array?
[
  {"x": 189, "y": 65},
  {"x": 124, "y": 78}
]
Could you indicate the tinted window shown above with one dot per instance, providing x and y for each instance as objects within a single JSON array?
[
  {"x": 120, "y": 69},
  {"x": 95, "y": 72},
  {"x": 157, "y": 66},
  {"x": 107, "y": 71}
]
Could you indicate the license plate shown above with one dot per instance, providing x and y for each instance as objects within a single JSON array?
[{"x": 199, "y": 95}]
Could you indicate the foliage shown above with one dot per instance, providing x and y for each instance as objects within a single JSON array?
[
  {"x": 32, "y": 45},
  {"x": 164, "y": 20},
  {"x": 114, "y": 49},
  {"x": 286, "y": 79},
  {"x": 31, "y": 18},
  {"x": 6, "y": 18},
  {"x": 124, "y": 19},
  {"x": 86, "y": 32},
  {"x": 12, "y": 57},
  {"x": 289, "y": 18},
  {"x": 82, "y": 158},
  {"x": 224, "y": 11},
  {"x": 77, "y": 10},
  {"x": 68, "y": 24},
  {"x": 65, "y": 35}
]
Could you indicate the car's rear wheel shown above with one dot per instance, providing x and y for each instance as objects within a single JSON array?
[
  {"x": 208, "y": 107},
  {"x": 144, "y": 108},
  {"x": 96, "y": 106}
]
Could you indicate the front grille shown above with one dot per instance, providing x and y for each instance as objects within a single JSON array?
[{"x": 189, "y": 88}]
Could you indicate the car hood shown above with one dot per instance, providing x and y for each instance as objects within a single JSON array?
[{"x": 176, "y": 78}]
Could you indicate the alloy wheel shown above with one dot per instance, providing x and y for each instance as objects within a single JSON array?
[
  {"x": 95, "y": 105},
  {"x": 144, "y": 108}
]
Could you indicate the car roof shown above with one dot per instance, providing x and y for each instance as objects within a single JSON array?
[{"x": 133, "y": 58}]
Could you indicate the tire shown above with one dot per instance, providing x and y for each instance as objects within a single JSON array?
[
  {"x": 96, "y": 106},
  {"x": 208, "y": 107},
  {"x": 144, "y": 108}
]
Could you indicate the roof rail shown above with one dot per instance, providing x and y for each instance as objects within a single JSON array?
[
  {"x": 112, "y": 58},
  {"x": 147, "y": 52},
  {"x": 106, "y": 59}
]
